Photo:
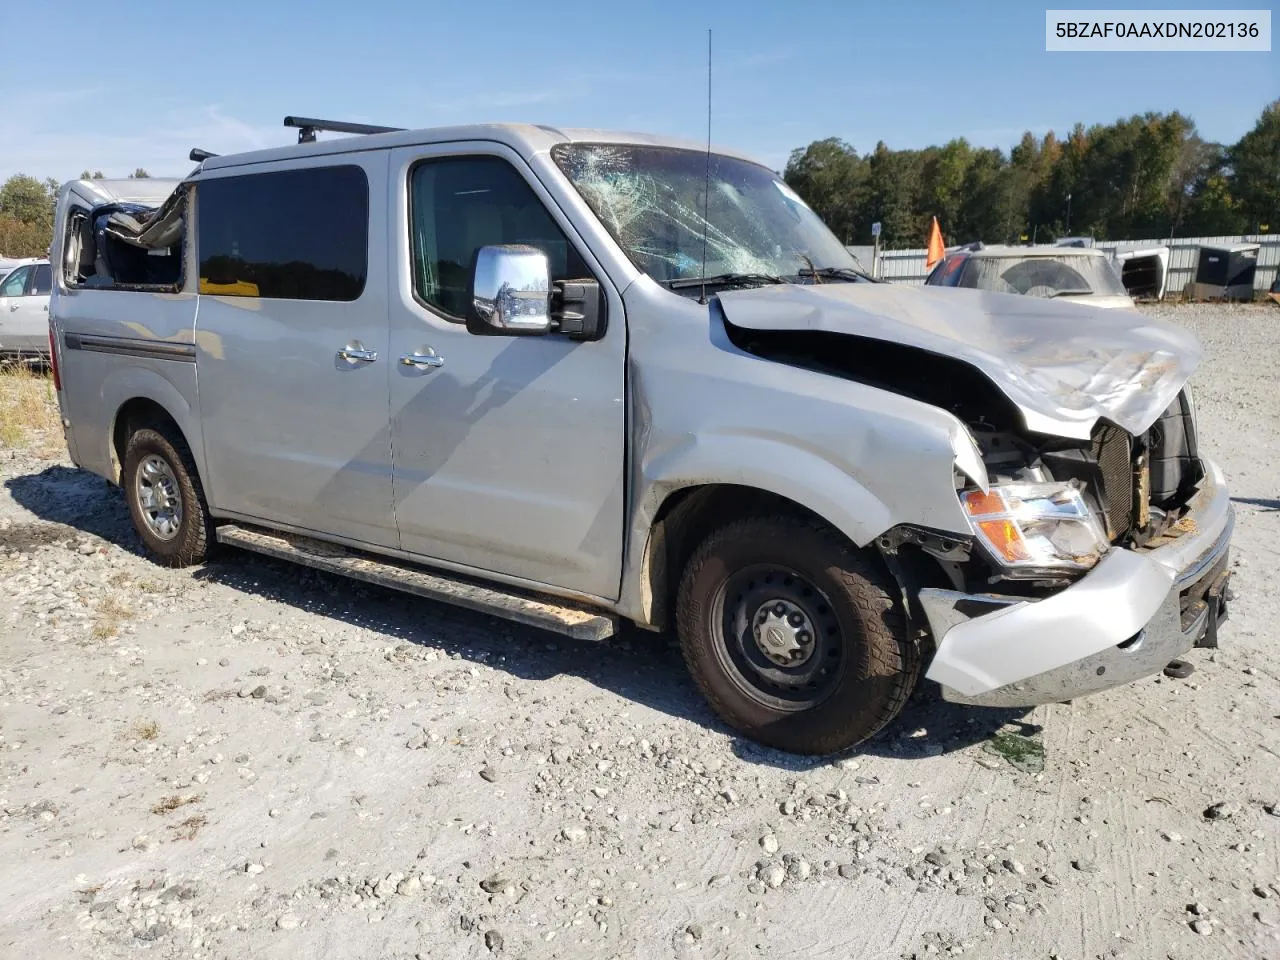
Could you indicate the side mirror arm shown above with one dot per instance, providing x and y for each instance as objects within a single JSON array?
[{"x": 578, "y": 309}]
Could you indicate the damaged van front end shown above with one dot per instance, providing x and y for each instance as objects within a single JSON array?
[
  {"x": 1137, "y": 609},
  {"x": 1096, "y": 548}
]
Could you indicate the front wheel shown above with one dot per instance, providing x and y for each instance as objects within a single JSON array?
[{"x": 793, "y": 636}]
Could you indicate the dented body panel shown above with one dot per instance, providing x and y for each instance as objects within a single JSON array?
[
  {"x": 705, "y": 411},
  {"x": 1062, "y": 364},
  {"x": 1123, "y": 620}
]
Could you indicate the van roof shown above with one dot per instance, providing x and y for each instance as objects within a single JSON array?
[
  {"x": 526, "y": 139},
  {"x": 149, "y": 190}
]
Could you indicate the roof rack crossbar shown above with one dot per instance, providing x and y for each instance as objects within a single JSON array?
[
  {"x": 199, "y": 156},
  {"x": 309, "y": 126}
]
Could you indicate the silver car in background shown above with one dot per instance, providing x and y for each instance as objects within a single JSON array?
[
  {"x": 24, "y": 310},
  {"x": 1084, "y": 275},
  {"x": 572, "y": 377}
]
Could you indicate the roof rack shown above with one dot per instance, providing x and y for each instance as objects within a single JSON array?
[
  {"x": 309, "y": 126},
  {"x": 200, "y": 156}
]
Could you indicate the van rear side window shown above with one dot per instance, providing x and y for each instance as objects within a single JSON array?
[
  {"x": 287, "y": 235},
  {"x": 121, "y": 245}
]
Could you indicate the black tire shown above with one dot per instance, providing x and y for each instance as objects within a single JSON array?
[
  {"x": 860, "y": 665},
  {"x": 192, "y": 537}
]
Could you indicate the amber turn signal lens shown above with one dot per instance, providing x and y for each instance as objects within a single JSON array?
[
  {"x": 1006, "y": 539},
  {"x": 981, "y": 504}
]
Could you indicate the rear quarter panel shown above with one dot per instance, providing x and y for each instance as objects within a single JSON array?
[{"x": 95, "y": 385}]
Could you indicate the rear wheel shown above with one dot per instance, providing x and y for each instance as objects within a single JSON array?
[
  {"x": 165, "y": 498},
  {"x": 793, "y": 636}
]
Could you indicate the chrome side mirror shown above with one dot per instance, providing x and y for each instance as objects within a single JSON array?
[{"x": 510, "y": 292}]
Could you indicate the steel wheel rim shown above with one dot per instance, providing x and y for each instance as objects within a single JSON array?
[
  {"x": 159, "y": 497},
  {"x": 755, "y": 661}
]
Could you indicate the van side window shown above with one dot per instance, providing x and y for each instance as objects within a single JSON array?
[
  {"x": 460, "y": 204},
  {"x": 287, "y": 235},
  {"x": 15, "y": 285},
  {"x": 126, "y": 246}
]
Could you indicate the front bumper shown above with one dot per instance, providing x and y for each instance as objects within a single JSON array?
[{"x": 1125, "y": 619}]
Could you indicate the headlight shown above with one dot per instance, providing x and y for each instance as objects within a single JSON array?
[{"x": 1029, "y": 526}]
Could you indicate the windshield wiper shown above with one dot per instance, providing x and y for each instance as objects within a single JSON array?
[
  {"x": 724, "y": 280},
  {"x": 837, "y": 273},
  {"x": 1071, "y": 293}
]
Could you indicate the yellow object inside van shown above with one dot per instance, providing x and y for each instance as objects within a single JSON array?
[{"x": 240, "y": 288}]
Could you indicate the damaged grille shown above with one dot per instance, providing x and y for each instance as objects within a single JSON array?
[
  {"x": 1113, "y": 449},
  {"x": 1160, "y": 470},
  {"x": 1175, "y": 465}
]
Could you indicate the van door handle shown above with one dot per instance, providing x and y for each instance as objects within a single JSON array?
[
  {"x": 431, "y": 359},
  {"x": 353, "y": 353}
]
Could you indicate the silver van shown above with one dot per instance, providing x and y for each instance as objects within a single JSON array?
[{"x": 573, "y": 377}]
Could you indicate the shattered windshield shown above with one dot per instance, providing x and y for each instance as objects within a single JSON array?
[
  {"x": 651, "y": 199},
  {"x": 1065, "y": 276}
]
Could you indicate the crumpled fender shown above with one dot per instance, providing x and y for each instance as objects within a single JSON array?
[
  {"x": 705, "y": 412},
  {"x": 781, "y": 465},
  {"x": 772, "y": 464}
]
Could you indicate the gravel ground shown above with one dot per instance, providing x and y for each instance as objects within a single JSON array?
[{"x": 251, "y": 759}]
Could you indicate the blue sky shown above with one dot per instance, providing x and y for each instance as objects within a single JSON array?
[{"x": 142, "y": 84}]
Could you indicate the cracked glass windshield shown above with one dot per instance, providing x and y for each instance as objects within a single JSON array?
[{"x": 652, "y": 200}]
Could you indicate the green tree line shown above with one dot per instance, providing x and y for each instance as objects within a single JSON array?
[
  {"x": 1145, "y": 176},
  {"x": 26, "y": 212}
]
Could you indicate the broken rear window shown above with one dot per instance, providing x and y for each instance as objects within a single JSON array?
[
  {"x": 1066, "y": 276},
  {"x": 126, "y": 246},
  {"x": 652, "y": 200}
]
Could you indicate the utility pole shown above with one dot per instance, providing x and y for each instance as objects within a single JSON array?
[{"x": 1067, "y": 230}]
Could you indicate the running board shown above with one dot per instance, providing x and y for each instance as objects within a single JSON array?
[{"x": 571, "y": 621}]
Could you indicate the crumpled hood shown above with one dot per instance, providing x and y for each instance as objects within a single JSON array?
[{"x": 1063, "y": 365}]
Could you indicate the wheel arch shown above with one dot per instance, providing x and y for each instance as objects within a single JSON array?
[
  {"x": 682, "y": 520},
  {"x": 150, "y": 400},
  {"x": 133, "y": 415},
  {"x": 712, "y": 477}
]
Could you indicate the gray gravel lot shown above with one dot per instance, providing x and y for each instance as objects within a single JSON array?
[{"x": 251, "y": 759}]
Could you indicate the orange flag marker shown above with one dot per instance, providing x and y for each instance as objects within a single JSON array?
[{"x": 936, "y": 249}]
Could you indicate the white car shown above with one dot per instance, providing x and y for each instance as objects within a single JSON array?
[
  {"x": 9, "y": 264},
  {"x": 24, "y": 310},
  {"x": 1081, "y": 274}
]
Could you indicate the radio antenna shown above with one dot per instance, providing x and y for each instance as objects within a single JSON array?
[{"x": 706, "y": 188}]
